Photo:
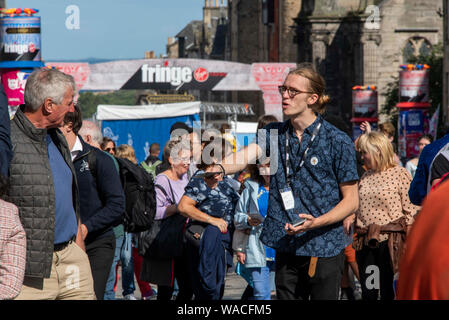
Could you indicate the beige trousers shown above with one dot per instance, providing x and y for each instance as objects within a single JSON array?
[{"x": 70, "y": 278}]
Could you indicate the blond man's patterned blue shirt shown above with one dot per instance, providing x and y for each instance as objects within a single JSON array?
[{"x": 329, "y": 162}]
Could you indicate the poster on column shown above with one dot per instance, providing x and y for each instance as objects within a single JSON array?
[
  {"x": 414, "y": 86},
  {"x": 268, "y": 77},
  {"x": 13, "y": 81},
  {"x": 412, "y": 124}
]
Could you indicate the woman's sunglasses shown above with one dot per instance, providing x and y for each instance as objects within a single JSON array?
[{"x": 210, "y": 175}]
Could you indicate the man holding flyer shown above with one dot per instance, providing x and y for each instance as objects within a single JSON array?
[{"x": 313, "y": 188}]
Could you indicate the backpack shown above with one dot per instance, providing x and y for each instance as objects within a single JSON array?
[
  {"x": 140, "y": 196},
  {"x": 151, "y": 168}
]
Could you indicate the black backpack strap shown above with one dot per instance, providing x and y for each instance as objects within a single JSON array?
[{"x": 92, "y": 161}]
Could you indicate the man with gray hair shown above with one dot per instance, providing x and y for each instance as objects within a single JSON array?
[
  {"x": 43, "y": 186},
  {"x": 91, "y": 133}
]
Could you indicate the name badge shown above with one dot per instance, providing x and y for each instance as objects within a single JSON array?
[{"x": 287, "y": 199}]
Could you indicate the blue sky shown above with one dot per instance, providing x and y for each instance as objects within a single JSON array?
[{"x": 110, "y": 29}]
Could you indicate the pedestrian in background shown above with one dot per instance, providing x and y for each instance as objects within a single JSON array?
[
  {"x": 124, "y": 242},
  {"x": 170, "y": 186},
  {"x": 209, "y": 203},
  {"x": 108, "y": 145},
  {"x": 412, "y": 164},
  {"x": 424, "y": 266},
  {"x": 251, "y": 209},
  {"x": 12, "y": 247},
  {"x": 385, "y": 216},
  {"x": 5, "y": 133}
]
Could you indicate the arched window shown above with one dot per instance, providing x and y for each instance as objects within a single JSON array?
[{"x": 416, "y": 46}]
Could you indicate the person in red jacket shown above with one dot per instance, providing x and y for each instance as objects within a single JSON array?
[{"x": 423, "y": 271}]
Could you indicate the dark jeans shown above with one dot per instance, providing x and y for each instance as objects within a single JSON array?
[
  {"x": 376, "y": 272},
  {"x": 101, "y": 253},
  {"x": 293, "y": 281}
]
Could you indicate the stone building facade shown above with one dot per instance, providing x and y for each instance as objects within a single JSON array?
[
  {"x": 351, "y": 42},
  {"x": 202, "y": 39}
]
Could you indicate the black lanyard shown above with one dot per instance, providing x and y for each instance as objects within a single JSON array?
[{"x": 304, "y": 154}]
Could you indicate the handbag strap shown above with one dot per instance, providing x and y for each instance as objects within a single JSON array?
[
  {"x": 173, "y": 201},
  {"x": 171, "y": 189},
  {"x": 164, "y": 192}
]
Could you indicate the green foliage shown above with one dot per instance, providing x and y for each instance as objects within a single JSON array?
[
  {"x": 90, "y": 100},
  {"x": 435, "y": 62}
]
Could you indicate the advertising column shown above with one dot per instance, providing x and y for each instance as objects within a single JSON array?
[
  {"x": 413, "y": 120},
  {"x": 20, "y": 36},
  {"x": 269, "y": 76}
]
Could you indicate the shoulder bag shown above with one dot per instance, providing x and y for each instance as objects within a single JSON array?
[{"x": 164, "y": 239}]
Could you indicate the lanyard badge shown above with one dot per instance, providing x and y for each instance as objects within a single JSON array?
[
  {"x": 288, "y": 201},
  {"x": 287, "y": 193}
]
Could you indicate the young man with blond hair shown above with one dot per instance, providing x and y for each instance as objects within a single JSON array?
[{"x": 313, "y": 188}]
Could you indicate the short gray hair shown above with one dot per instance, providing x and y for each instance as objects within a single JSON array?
[
  {"x": 47, "y": 83},
  {"x": 90, "y": 128}
]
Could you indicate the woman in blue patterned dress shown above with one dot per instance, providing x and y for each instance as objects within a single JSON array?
[{"x": 209, "y": 201}]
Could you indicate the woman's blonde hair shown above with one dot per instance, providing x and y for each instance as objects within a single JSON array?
[
  {"x": 317, "y": 85},
  {"x": 127, "y": 152},
  {"x": 379, "y": 148}
]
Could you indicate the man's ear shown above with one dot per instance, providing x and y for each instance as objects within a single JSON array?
[
  {"x": 313, "y": 99},
  {"x": 48, "y": 106},
  {"x": 88, "y": 138}
]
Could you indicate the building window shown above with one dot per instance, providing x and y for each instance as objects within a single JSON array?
[{"x": 416, "y": 46}]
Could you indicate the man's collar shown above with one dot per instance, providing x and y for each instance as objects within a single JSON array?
[
  {"x": 309, "y": 129},
  {"x": 78, "y": 146}
]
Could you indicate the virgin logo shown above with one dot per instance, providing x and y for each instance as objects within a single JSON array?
[
  {"x": 201, "y": 74},
  {"x": 31, "y": 47}
]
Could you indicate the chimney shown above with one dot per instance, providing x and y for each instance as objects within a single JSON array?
[{"x": 149, "y": 55}]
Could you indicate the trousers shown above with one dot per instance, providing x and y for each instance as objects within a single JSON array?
[
  {"x": 70, "y": 278},
  {"x": 294, "y": 283}
]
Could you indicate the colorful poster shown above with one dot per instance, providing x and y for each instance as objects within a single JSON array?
[
  {"x": 412, "y": 123},
  {"x": 13, "y": 81},
  {"x": 364, "y": 103},
  {"x": 79, "y": 71},
  {"x": 269, "y": 76},
  {"x": 414, "y": 86}
]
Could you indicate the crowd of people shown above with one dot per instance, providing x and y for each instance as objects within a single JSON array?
[{"x": 301, "y": 213}]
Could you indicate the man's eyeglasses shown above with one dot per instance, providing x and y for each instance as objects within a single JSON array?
[{"x": 291, "y": 91}]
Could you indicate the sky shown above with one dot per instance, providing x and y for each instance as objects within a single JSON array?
[{"x": 109, "y": 29}]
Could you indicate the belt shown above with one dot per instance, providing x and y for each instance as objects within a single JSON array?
[{"x": 63, "y": 245}]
